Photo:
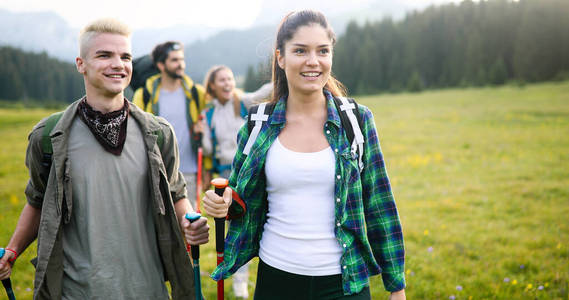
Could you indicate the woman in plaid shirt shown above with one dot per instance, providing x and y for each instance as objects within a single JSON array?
[{"x": 320, "y": 225}]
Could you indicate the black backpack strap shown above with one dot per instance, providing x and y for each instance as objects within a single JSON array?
[
  {"x": 195, "y": 95},
  {"x": 352, "y": 124},
  {"x": 145, "y": 96},
  {"x": 269, "y": 107},
  {"x": 258, "y": 114},
  {"x": 46, "y": 146}
]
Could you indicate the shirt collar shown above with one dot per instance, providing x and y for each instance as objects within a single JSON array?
[
  {"x": 279, "y": 112},
  {"x": 333, "y": 116}
]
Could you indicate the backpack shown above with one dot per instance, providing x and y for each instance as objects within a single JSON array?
[
  {"x": 142, "y": 69},
  {"x": 47, "y": 147},
  {"x": 349, "y": 117}
]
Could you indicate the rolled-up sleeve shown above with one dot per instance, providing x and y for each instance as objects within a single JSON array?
[{"x": 35, "y": 188}]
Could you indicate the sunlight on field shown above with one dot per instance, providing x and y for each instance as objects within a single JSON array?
[{"x": 480, "y": 177}]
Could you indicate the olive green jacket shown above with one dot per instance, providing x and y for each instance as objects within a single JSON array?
[{"x": 54, "y": 199}]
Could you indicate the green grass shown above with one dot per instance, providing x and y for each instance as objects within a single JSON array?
[{"x": 481, "y": 180}]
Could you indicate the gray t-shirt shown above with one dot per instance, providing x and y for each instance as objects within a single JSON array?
[
  {"x": 109, "y": 246},
  {"x": 173, "y": 108}
]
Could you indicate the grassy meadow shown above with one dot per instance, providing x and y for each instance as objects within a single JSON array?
[{"x": 480, "y": 176}]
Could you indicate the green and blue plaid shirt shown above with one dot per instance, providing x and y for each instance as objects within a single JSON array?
[{"x": 366, "y": 218}]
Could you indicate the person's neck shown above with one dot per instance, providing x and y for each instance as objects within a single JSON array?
[
  {"x": 306, "y": 104},
  {"x": 222, "y": 102},
  {"x": 170, "y": 84},
  {"x": 105, "y": 104}
]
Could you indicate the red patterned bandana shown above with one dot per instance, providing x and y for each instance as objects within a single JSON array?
[{"x": 109, "y": 129}]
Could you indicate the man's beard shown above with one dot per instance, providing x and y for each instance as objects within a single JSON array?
[{"x": 173, "y": 74}]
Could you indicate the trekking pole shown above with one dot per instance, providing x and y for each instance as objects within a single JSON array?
[
  {"x": 7, "y": 283},
  {"x": 220, "y": 184},
  {"x": 200, "y": 170},
  {"x": 195, "y": 250}
]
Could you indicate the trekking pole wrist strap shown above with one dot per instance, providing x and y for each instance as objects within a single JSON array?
[{"x": 13, "y": 259}]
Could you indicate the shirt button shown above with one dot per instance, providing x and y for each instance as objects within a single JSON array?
[
  {"x": 336, "y": 150},
  {"x": 344, "y": 245},
  {"x": 345, "y": 267},
  {"x": 338, "y": 200},
  {"x": 338, "y": 224},
  {"x": 327, "y": 131},
  {"x": 338, "y": 176}
]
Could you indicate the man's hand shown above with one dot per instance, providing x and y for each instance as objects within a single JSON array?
[
  {"x": 5, "y": 265},
  {"x": 399, "y": 295},
  {"x": 215, "y": 205},
  {"x": 196, "y": 233}
]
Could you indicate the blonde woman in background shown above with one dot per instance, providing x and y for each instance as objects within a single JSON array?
[{"x": 224, "y": 115}]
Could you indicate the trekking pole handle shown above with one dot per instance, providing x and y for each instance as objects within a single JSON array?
[
  {"x": 7, "y": 283},
  {"x": 220, "y": 184},
  {"x": 192, "y": 217}
]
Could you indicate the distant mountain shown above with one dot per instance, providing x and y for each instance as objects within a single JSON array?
[
  {"x": 144, "y": 40},
  {"x": 205, "y": 46},
  {"x": 38, "y": 32},
  {"x": 235, "y": 48},
  {"x": 47, "y": 31}
]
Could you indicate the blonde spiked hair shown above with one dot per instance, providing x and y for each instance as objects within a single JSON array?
[{"x": 105, "y": 25}]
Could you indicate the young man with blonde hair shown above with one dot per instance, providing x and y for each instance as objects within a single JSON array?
[{"x": 107, "y": 207}]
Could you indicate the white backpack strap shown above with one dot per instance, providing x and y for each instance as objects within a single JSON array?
[
  {"x": 259, "y": 117},
  {"x": 358, "y": 143}
]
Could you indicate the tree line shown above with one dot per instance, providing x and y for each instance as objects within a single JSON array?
[
  {"x": 465, "y": 44},
  {"x": 32, "y": 76}
]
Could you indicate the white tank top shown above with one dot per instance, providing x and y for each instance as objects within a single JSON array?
[{"x": 298, "y": 236}]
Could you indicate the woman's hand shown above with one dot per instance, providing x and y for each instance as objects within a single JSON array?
[
  {"x": 399, "y": 295},
  {"x": 215, "y": 205}
]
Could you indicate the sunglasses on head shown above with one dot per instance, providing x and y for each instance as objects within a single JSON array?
[
  {"x": 174, "y": 47},
  {"x": 171, "y": 47}
]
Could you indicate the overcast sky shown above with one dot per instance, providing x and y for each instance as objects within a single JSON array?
[
  {"x": 164, "y": 13},
  {"x": 138, "y": 13}
]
